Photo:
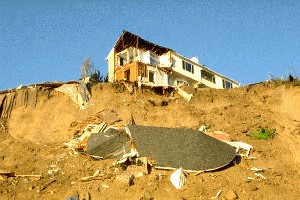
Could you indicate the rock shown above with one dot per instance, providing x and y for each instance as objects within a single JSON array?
[
  {"x": 147, "y": 196},
  {"x": 164, "y": 103},
  {"x": 125, "y": 178},
  {"x": 231, "y": 195},
  {"x": 252, "y": 187},
  {"x": 105, "y": 186},
  {"x": 152, "y": 101}
]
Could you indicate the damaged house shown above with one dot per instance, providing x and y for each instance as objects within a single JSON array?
[{"x": 137, "y": 60}]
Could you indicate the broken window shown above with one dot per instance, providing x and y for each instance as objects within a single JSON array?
[
  {"x": 130, "y": 54},
  {"x": 122, "y": 59},
  {"x": 151, "y": 76},
  {"x": 154, "y": 60},
  {"x": 187, "y": 66},
  {"x": 208, "y": 76},
  {"x": 227, "y": 84}
]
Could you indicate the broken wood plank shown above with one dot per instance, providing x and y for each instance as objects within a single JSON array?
[{"x": 47, "y": 184}]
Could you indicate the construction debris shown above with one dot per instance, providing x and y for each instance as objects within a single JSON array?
[
  {"x": 96, "y": 175},
  {"x": 81, "y": 141},
  {"x": 159, "y": 147},
  {"x": 47, "y": 185},
  {"x": 174, "y": 148},
  {"x": 109, "y": 143},
  {"x": 241, "y": 145},
  {"x": 7, "y": 173},
  {"x": 256, "y": 169},
  {"x": 184, "y": 94},
  {"x": 178, "y": 179},
  {"x": 4, "y": 173},
  {"x": 219, "y": 135},
  {"x": 217, "y": 195},
  {"x": 260, "y": 175},
  {"x": 79, "y": 93}
]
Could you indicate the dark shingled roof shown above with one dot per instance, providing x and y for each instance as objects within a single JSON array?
[
  {"x": 110, "y": 143},
  {"x": 175, "y": 148},
  {"x": 128, "y": 39}
]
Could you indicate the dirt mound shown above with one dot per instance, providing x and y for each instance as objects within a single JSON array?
[{"x": 237, "y": 112}]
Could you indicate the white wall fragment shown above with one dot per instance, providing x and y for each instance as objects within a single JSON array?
[{"x": 178, "y": 179}]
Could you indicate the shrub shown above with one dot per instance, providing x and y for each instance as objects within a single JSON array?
[{"x": 263, "y": 133}]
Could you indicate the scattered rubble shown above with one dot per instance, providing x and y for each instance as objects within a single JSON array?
[
  {"x": 78, "y": 92},
  {"x": 95, "y": 176}
]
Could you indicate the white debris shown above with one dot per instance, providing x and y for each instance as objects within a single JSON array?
[
  {"x": 86, "y": 133},
  {"x": 78, "y": 92},
  {"x": 260, "y": 175},
  {"x": 202, "y": 128},
  {"x": 178, "y": 179},
  {"x": 257, "y": 169},
  {"x": 241, "y": 145},
  {"x": 217, "y": 195},
  {"x": 184, "y": 94}
]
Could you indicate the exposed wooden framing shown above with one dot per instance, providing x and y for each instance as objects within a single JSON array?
[{"x": 130, "y": 40}]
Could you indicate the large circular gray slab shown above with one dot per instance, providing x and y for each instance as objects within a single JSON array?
[{"x": 186, "y": 148}]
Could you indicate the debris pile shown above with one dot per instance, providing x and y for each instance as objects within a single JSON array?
[
  {"x": 139, "y": 148},
  {"x": 78, "y": 92}
]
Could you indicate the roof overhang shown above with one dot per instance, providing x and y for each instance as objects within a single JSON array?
[{"x": 128, "y": 39}]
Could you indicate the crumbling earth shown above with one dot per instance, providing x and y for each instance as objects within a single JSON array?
[{"x": 33, "y": 137}]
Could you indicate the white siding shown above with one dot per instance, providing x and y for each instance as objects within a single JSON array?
[
  {"x": 111, "y": 65},
  {"x": 219, "y": 82},
  {"x": 160, "y": 77},
  {"x": 177, "y": 67}
]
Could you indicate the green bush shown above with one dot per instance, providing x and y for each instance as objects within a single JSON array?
[{"x": 263, "y": 133}]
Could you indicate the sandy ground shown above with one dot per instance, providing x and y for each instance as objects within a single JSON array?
[{"x": 34, "y": 141}]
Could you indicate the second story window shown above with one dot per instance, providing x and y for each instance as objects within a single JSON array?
[
  {"x": 154, "y": 60},
  {"x": 208, "y": 76},
  {"x": 226, "y": 84},
  {"x": 187, "y": 66}
]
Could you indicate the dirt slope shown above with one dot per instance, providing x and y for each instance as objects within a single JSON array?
[{"x": 33, "y": 144}]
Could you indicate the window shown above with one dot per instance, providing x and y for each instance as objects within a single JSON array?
[
  {"x": 187, "y": 66},
  {"x": 208, "y": 76},
  {"x": 121, "y": 61},
  {"x": 127, "y": 75},
  {"x": 154, "y": 60},
  {"x": 227, "y": 84},
  {"x": 151, "y": 76}
]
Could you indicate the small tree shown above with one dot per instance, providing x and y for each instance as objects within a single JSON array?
[{"x": 86, "y": 68}]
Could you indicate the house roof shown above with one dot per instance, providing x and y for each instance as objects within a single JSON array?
[
  {"x": 174, "y": 148},
  {"x": 128, "y": 39}
]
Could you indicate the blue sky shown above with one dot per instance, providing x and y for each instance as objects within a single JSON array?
[{"x": 47, "y": 40}]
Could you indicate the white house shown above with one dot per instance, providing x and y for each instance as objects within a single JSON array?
[{"x": 135, "y": 59}]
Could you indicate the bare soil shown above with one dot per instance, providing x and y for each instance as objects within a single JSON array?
[{"x": 33, "y": 144}]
